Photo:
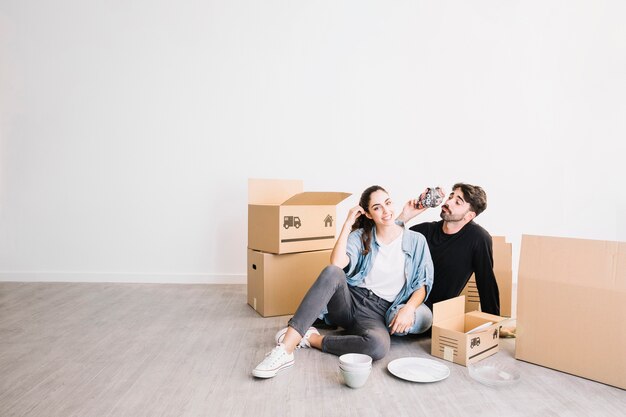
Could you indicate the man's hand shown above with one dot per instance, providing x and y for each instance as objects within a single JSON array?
[{"x": 410, "y": 210}]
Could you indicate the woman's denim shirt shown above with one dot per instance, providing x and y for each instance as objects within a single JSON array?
[{"x": 418, "y": 265}]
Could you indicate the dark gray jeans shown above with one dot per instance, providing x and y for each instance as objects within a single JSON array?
[{"x": 359, "y": 311}]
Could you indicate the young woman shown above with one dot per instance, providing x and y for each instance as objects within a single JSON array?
[{"x": 379, "y": 276}]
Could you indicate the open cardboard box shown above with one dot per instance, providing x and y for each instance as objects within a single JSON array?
[
  {"x": 503, "y": 269},
  {"x": 282, "y": 218},
  {"x": 571, "y": 307},
  {"x": 452, "y": 336}
]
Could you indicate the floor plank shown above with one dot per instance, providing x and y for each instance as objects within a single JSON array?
[{"x": 98, "y": 349}]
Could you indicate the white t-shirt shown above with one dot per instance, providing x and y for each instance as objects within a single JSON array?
[{"x": 386, "y": 278}]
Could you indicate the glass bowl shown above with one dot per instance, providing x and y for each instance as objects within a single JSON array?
[{"x": 494, "y": 374}]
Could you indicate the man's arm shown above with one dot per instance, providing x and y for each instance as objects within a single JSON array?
[
  {"x": 485, "y": 278},
  {"x": 409, "y": 211}
]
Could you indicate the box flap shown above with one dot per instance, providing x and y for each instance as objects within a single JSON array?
[
  {"x": 270, "y": 191},
  {"x": 488, "y": 317},
  {"x": 583, "y": 262},
  {"x": 447, "y": 309},
  {"x": 316, "y": 198}
]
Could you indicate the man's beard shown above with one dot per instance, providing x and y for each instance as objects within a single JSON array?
[{"x": 446, "y": 216}]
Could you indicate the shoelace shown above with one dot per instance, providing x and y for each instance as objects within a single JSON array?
[{"x": 277, "y": 355}]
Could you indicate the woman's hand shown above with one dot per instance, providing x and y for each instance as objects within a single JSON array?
[
  {"x": 338, "y": 256},
  {"x": 353, "y": 214},
  {"x": 403, "y": 320}
]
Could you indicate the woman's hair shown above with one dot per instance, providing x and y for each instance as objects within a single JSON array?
[{"x": 364, "y": 222}]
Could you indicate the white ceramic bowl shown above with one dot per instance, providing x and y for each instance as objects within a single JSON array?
[
  {"x": 358, "y": 360},
  {"x": 357, "y": 369},
  {"x": 355, "y": 379}
]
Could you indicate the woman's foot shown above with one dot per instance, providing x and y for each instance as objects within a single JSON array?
[
  {"x": 304, "y": 343},
  {"x": 315, "y": 341},
  {"x": 275, "y": 361}
]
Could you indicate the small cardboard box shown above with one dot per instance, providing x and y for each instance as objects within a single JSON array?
[
  {"x": 455, "y": 336},
  {"x": 284, "y": 219},
  {"x": 571, "y": 307},
  {"x": 503, "y": 269},
  {"x": 277, "y": 283}
]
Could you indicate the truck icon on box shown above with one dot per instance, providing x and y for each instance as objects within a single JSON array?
[
  {"x": 291, "y": 221},
  {"x": 475, "y": 342}
]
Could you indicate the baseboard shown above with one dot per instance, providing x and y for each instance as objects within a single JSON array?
[{"x": 152, "y": 278}]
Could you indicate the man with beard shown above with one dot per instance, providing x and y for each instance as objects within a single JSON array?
[{"x": 459, "y": 246}]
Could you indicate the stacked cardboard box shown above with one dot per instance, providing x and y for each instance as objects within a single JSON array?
[{"x": 290, "y": 237}]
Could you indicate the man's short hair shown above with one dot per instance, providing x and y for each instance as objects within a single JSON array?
[{"x": 474, "y": 195}]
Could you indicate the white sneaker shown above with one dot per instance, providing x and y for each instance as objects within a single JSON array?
[
  {"x": 274, "y": 362},
  {"x": 304, "y": 343}
]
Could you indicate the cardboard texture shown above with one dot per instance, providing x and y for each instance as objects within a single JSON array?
[
  {"x": 571, "y": 307},
  {"x": 282, "y": 218},
  {"x": 450, "y": 340},
  {"x": 277, "y": 283},
  {"x": 503, "y": 269}
]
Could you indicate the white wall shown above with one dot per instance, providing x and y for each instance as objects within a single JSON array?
[{"x": 128, "y": 129}]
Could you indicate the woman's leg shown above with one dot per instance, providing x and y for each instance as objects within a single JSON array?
[
  {"x": 371, "y": 338},
  {"x": 423, "y": 319},
  {"x": 369, "y": 335},
  {"x": 330, "y": 289}
]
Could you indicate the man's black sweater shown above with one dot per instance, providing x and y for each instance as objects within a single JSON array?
[{"x": 456, "y": 257}]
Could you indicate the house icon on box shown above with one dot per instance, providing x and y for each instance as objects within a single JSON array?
[{"x": 328, "y": 221}]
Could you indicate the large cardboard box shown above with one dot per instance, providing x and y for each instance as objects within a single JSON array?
[
  {"x": 503, "y": 269},
  {"x": 454, "y": 334},
  {"x": 571, "y": 307},
  {"x": 277, "y": 283},
  {"x": 282, "y": 218}
]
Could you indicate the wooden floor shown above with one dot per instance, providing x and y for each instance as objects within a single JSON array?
[{"x": 101, "y": 350}]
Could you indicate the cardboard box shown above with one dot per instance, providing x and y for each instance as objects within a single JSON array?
[
  {"x": 284, "y": 219},
  {"x": 450, "y": 338},
  {"x": 571, "y": 307},
  {"x": 503, "y": 269},
  {"x": 277, "y": 283}
]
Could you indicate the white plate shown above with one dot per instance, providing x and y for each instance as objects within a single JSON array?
[{"x": 418, "y": 369}]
